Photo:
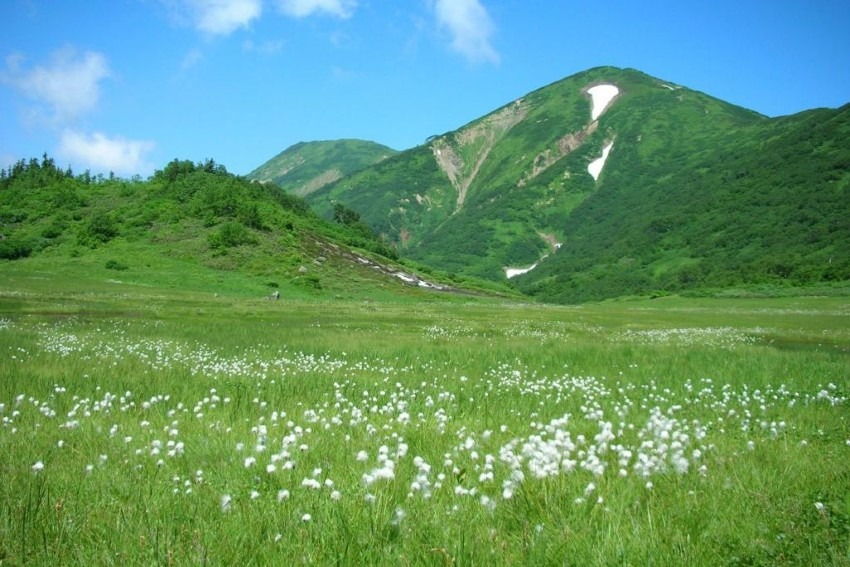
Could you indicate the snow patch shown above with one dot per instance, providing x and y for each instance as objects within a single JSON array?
[
  {"x": 601, "y": 97},
  {"x": 594, "y": 168},
  {"x": 514, "y": 272}
]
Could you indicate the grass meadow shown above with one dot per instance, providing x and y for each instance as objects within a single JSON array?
[{"x": 147, "y": 425}]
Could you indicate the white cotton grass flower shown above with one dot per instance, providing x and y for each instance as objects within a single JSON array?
[
  {"x": 336, "y": 495},
  {"x": 282, "y": 495},
  {"x": 398, "y": 517},
  {"x": 226, "y": 501},
  {"x": 819, "y": 506},
  {"x": 38, "y": 467},
  {"x": 306, "y": 518}
]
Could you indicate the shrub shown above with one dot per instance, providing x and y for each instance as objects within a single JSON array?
[
  {"x": 116, "y": 265},
  {"x": 14, "y": 249},
  {"x": 229, "y": 235},
  {"x": 99, "y": 229}
]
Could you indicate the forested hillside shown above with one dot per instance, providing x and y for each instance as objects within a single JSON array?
[
  {"x": 187, "y": 216},
  {"x": 767, "y": 204},
  {"x": 663, "y": 189}
]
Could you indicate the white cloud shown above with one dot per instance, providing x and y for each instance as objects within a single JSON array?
[
  {"x": 304, "y": 8},
  {"x": 470, "y": 27},
  {"x": 103, "y": 153},
  {"x": 221, "y": 17},
  {"x": 68, "y": 85}
]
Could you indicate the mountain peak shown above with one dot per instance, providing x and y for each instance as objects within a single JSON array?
[{"x": 306, "y": 167}]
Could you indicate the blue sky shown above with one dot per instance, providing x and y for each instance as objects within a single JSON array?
[{"x": 128, "y": 85}]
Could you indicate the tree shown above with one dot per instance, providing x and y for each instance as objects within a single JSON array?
[{"x": 344, "y": 215}]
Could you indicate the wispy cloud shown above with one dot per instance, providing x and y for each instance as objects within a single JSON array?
[
  {"x": 101, "y": 152},
  {"x": 470, "y": 27},
  {"x": 193, "y": 57},
  {"x": 215, "y": 17},
  {"x": 303, "y": 8},
  {"x": 68, "y": 86},
  {"x": 269, "y": 47}
]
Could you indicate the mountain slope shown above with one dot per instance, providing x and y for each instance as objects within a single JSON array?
[
  {"x": 308, "y": 166},
  {"x": 769, "y": 203},
  {"x": 193, "y": 226},
  {"x": 666, "y": 177}
]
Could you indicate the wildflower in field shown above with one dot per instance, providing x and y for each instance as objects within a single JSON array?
[
  {"x": 270, "y": 468},
  {"x": 250, "y": 462},
  {"x": 225, "y": 503},
  {"x": 38, "y": 467},
  {"x": 306, "y": 518},
  {"x": 819, "y": 506},
  {"x": 282, "y": 495},
  {"x": 335, "y": 495},
  {"x": 254, "y": 495},
  {"x": 398, "y": 517}
]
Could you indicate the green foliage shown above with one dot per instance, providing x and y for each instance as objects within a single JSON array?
[
  {"x": 344, "y": 215},
  {"x": 229, "y": 235},
  {"x": 116, "y": 265},
  {"x": 99, "y": 229},
  {"x": 14, "y": 249}
]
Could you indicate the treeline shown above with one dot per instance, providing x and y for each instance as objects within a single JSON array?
[{"x": 44, "y": 207}]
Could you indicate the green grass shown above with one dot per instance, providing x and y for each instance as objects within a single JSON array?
[{"x": 121, "y": 374}]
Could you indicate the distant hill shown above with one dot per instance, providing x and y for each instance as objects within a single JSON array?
[
  {"x": 612, "y": 182},
  {"x": 192, "y": 223},
  {"x": 308, "y": 166}
]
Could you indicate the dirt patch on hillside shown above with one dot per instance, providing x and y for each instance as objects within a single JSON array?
[
  {"x": 324, "y": 178},
  {"x": 475, "y": 142},
  {"x": 563, "y": 147}
]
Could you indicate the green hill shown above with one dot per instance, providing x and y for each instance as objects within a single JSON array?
[
  {"x": 193, "y": 226},
  {"x": 308, "y": 166},
  {"x": 695, "y": 192}
]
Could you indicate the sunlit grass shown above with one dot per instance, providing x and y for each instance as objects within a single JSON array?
[{"x": 198, "y": 428}]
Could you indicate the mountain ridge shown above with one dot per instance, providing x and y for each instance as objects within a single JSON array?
[
  {"x": 303, "y": 168},
  {"x": 480, "y": 199}
]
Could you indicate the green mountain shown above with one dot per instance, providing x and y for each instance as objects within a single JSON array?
[
  {"x": 308, "y": 166},
  {"x": 612, "y": 182},
  {"x": 193, "y": 226}
]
